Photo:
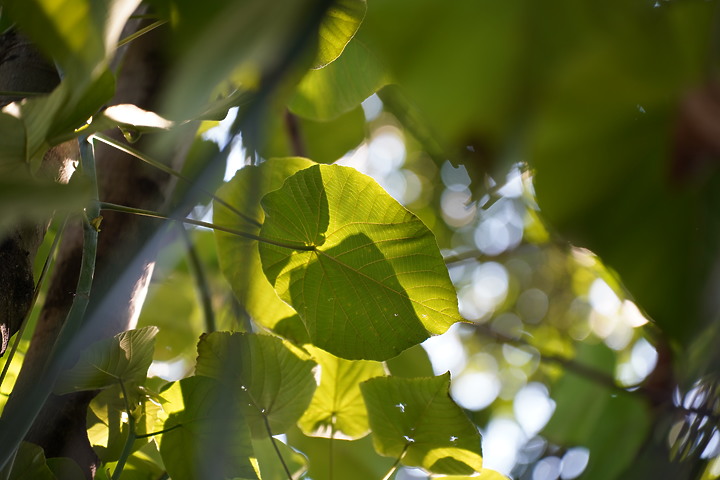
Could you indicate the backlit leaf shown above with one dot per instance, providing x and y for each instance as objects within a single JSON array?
[
  {"x": 371, "y": 281},
  {"x": 273, "y": 381},
  {"x": 337, "y": 409},
  {"x": 209, "y": 436},
  {"x": 417, "y": 420},
  {"x": 341, "y": 22},
  {"x": 124, "y": 358}
]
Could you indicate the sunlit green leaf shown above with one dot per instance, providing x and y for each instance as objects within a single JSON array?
[
  {"x": 341, "y": 86},
  {"x": 274, "y": 380},
  {"x": 373, "y": 282},
  {"x": 124, "y": 358},
  {"x": 416, "y": 420},
  {"x": 270, "y": 466},
  {"x": 337, "y": 409},
  {"x": 341, "y": 22},
  {"x": 413, "y": 362},
  {"x": 239, "y": 258},
  {"x": 209, "y": 436},
  {"x": 486, "y": 474}
]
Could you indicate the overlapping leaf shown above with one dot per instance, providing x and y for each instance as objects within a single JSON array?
[
  {"x": 239, "y": 258},
  {"x": 337, "y": 409},
  {"x": 124, "y": 358},
  {"x": 370, "y": 281},
  {"x": 417, "y": 421},
  {"x": 341, "y": 22},
  {"x": 209, "y": 436},
  {"x": 274, "y": 381}
]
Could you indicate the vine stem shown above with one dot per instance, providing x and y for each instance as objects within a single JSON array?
[
  {"x": 127, "y": 448},
  {"x": 395, "y": 465},
  {"x": 164, "y": 168},
  {"x": 239, "y": 233},
  {"x": 36, "y": 293},
  {"x": 277, "y": 450},
  {"x": 200, "y": 280},
  {"x": 141, "y": 32}
]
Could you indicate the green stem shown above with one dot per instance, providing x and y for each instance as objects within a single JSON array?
[
  {"x": 148, "y": 213},
  {"x": 127, "y": 448},
  {"x": 13, "y": 93},
  {"x": 141, "y": 32},
  {"x": 331, "y": 462},
  {"x": 395, "y": 465},
  {"x": 277, "y": 450},
  {"x": 36, "y": 293},
  {"x": 76, "y": 315},
  {"x": 200, "y": 281},
  {"x": 159, "y": 432},
  {"x": 164, "y": 168}
]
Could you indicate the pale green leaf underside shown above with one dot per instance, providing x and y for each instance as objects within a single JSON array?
[
  {"x": 125, "y": 357},
  {"x": 337, "y": 409},
  {"x": 341, "y": 22},
  {"x": 375, "y": 283},
  {"x": 418, "y": 416},
  {"x": 239, "y": 258},
  {"x": 275, "y": 379},
  {"x": 212, "y": 439}
]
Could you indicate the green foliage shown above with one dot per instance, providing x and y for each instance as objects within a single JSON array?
[
  {"x": 352, "y": 245},
  {"x": 612, "y": 107}
]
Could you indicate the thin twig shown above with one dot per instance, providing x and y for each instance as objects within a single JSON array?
[
  {"x": 292, "y": 126},
  {"x": 148, "y": 213},
  {"x": 200, "y": 281},
  {"x": 141, "y": 32},
  {"x": 170, "y": 171}
]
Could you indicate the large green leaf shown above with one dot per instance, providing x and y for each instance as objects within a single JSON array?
[
  {"x": 416, "y": 420},
  {"x": 341, "y": 86},
  {"x": 612, "y": 426},
  {"x": 239, "y": 258},
  {"x": 341, "y": 22},
  {"x": 30, "y": 464},
  {"x": 337, "y": 409},
  {"x": 209, "y": 437},
  {"x": 124, "y": 358},
  {"x": 369, "y": 281},
  {"x": 274, "y": 380}
]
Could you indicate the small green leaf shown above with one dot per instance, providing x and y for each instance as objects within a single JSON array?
[
  {"x": 273, "y": 379},
  {"x": 337, "y": 409},
  {"x": 486, "y": 474},
  {"x": 373, "y": 282},
  {"x": 239, "y": 258},
  {"x": 417, "y": 420},
  {"x": 209, "y": 436},
  {"x": 124, "y": 358},
  {"x": 338, "y": 27},
  {"x": 341, "y": 86}
]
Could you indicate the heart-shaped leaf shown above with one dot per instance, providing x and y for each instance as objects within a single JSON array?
[
  {"x": 371, "y": 281},
  {"x": 415, "y": 419},
  {"x": 274, "y": 381}
]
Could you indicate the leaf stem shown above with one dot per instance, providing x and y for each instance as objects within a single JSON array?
[
  {"x": 141, "y": 32},
  {"x": 127, "y": 448},
  {"x": 36, "y": 293},
  {"x": 159, "y": 432},
  {"x": 148, "y": 213},
  {"x": 277, "y": 450},
  {"x": 395, "y": 465},
  {"x": 164, "y": 168},
  {"x": 292, "y": 126},
  {"x": 200, "y": 281}
]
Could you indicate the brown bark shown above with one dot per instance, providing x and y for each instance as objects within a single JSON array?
[{"x": 125, "y": 258}]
